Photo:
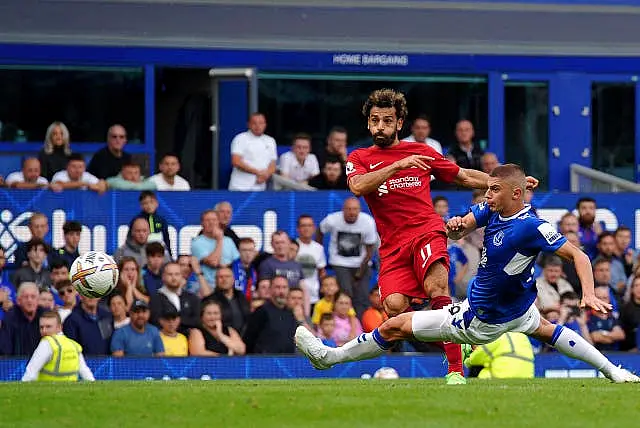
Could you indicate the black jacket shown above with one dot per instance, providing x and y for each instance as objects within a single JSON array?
[
  {"x": 189, "y": 310},
  {"x": 227, "y": 314}
]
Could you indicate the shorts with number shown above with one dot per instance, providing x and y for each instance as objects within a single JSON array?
[
  {"x": 456, "y": 323},
  {"x": 403, "y": 270}
]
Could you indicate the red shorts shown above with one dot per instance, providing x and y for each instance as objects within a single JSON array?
[{"x": 403, "y": 270}]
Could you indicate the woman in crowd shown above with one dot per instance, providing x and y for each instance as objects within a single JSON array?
[
  {"x": 214, "y": 338},
  {"x": 53, "y": 156},
  {"x": 130, "y": 282}
]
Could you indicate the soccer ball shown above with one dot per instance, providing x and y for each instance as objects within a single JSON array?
[
  {"x": 94, "y": 274},
  {"x": 386, "y": 373}
]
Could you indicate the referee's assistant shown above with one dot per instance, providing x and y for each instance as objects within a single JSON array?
[{"x": 57, "y": 358}]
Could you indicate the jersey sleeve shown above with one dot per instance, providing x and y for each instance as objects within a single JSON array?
[
  {"x": 355, "y": 166},
  {"x": 482, "y": 213},
  {"x": 541, "y": 235},
  {"x": 441, "y": 168}
]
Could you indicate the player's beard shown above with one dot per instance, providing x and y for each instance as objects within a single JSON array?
[{"x": 382, "y": 140}]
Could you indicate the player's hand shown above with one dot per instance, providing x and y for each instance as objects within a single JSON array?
[
  {"x": 591, "y": 301},
  {"x": 455, "y": 224},
  {"x": 417, "y": 161},
  {"x": 532, "y": 182}
]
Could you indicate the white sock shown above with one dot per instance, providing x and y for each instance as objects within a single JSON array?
[
  {"x": 363, "y": 347},
  {"x": 573, "y": 345}
]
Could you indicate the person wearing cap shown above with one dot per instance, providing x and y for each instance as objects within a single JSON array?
[
  {"x": 139, "y": 338},
  {"x": 175, "y": 344},
  {"x": 57, "y": 358}
]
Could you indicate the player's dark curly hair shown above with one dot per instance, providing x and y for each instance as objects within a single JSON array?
[{"x": 385, "y": 98}]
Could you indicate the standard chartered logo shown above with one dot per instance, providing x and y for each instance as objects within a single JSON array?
[{"x": 383, "y": 189}]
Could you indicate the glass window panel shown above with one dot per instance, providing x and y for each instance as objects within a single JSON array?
[
  {"x": 87, "y": 100},
  {"x": 314, "y": 104},
  {"x": 613, "y": 128},
  {"x": 526, "y": 124}
]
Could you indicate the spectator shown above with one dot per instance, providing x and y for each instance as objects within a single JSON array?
[
  {"x": 606, "y": 334},
  {"x": 606, "y": 250},
  {"x": 329, "y": 289},
  {"x": 171, "y": 295},
  {"x": 441, "y": 207},
  {"x": 353, "y": 239},
  {"x": 347, "y": 326},
  {"x": 335, "y": 149},
  {"x": 158, "y": 225},
  {"x": 279, "y": 263},
  {"x": 39, "y": 228},
  {"x": 295, "y": 302},
  {"x": 34, "y": 271},
  {"x": 623, "y": 250},
  {"x": 118, "y": 308},
  {"x": 69, "y": 296},
  {"x": 59, "y": 272},
  {"x": 602, "y": 278},
  {"x": 253, "y": 156},
  {"x": 489, "y": 161},
  {"x": 213, "y": 337},
  {"x": 225, "y": 214},
  {"x": 168, "y": 178},
  {"x": 152, "y": 271},
  {"x": 311, "y": 257},
  {"x": 175, "y": 343},
  {"x": 139, "y": 338},
  {"x": 589, "y": 229},
  {"x": 233, "y": 304},
  {"x": 271, "y": 327},
  {"x": 572, "y": 317},
  {"x": 29, "y": 177},
  {"x": 20, "y": 329},
  {"x": 630, "y": 316},
  {"x": 244, "y": 271},
  {"x": 130, "y": 282},
  {"x": 130, "y": 178},
  {"x": 134, "y": 246},
  {"x": 326, "y": 328},
  {"x": 332, "y": 177},
  {"x": 420, "y": 130},
  {"x": 108, "y": 161},
  {"x": 212, "y": 248},
  {"x": 68, "y": 253},
  {"x": 299, "y": 164},
  {"x": 375, "y": 315},
  {"x": 458, "y": 267},
  {"x": 551, "y": 285},
  {"x": 75, "y": 176},
  {"x": 193, "y": 277},
  {"x": 90, "y": 325},
  {"x": 7, "y": 290},
  {"x": 569, "y": 223},
  {"x": 57, "y": 358},
  {"x": 465, "y": 152},
  {"x": 261, "y": 295},
  {"x": 45, "y": 300},
  {"x": 56, "y": 150}
]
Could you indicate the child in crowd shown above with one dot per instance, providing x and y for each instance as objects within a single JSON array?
[
  {"x": 152, "y": 272},
  {"x": 326, "y": 328},
  {"x": 329, "y": 289},
  {"x": 158, "y": 226},
  {"x": 175, "y": 344}
]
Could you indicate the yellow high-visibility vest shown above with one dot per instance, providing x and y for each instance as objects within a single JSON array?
[
  {"x": 510, "y": 356},
  {"x": 65, "y": 362}
]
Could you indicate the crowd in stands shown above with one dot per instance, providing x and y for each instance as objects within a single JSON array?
[{"x": 226, "y": 297}]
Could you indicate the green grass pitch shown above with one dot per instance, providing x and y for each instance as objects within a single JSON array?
[{"x": 542, "y": 403}]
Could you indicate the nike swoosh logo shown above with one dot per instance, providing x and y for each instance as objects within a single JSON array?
[{"x": 374, "y": 165}]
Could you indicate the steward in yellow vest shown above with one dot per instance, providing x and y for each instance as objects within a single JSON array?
[
  {"x": 57, "y": 358},
  {"x": 510, "y": 356}
]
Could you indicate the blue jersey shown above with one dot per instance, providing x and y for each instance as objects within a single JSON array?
[{"x": 504, "y": 287}]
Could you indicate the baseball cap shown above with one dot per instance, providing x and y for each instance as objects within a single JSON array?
[
  {"x": 139, "y": 305},
  {"x": 170, "y": 313}
]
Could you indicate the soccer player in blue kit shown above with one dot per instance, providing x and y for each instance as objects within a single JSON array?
[{"x": 502, "y": 296}]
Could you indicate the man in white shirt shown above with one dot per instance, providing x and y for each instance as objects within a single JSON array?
[
  {"x": 299, "y": 164},
  {"x": 168, "y": 178},
  {"x": 420, "y": 130},
  {"x": 51, "y": 331},
  {"x": 77, "y": 177},
  {"x": 311, "y": 257},
  {"x": 351, "y": 245},
  {"x": 253, "y": 156},
  {"x": 29, "y": 177}
]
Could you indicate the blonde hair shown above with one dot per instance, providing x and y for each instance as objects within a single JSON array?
[{"x": 48, "y": 145}]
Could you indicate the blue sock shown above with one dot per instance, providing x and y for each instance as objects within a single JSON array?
[{"x": 384, "y": 344}]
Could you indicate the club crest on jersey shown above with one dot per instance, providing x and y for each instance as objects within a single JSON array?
[
  {"x": 350, "y": 168},
  {"x": 498, "y": 238}
]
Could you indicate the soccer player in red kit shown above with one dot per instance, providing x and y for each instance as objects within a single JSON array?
[{"x": 394, "y": 178}]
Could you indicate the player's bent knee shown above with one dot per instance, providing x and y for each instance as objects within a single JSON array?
[{"x": 395, "y": 304}]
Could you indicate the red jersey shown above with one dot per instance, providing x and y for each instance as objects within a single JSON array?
[{"x": 402, "y": 205}]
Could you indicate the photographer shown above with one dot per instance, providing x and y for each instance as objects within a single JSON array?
[{"x": 572, "y": 317}]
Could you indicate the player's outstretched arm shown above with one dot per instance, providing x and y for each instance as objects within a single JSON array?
[
  {"x": 363, "y": 184},
  {"x": 471, "y": 178},
  {"x": 585, "y": 274},
  {"x": 459, "y": 227}
]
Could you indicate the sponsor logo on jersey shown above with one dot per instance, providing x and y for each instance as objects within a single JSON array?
[
  {"x": 375, "y": 165},
  {"x": 550, "y": 234},
  {"x": 404, "y": 182},
  {"x": 383, "y": 189},
  {"x": 483, "y": 257}
]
